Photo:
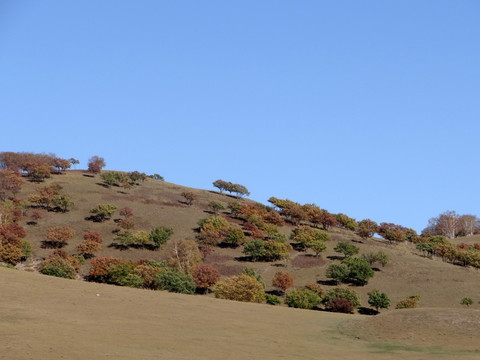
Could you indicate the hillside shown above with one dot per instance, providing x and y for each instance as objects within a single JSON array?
[
  {"x": 71, "y": 309},
  {"x": 160, "y": 203}
]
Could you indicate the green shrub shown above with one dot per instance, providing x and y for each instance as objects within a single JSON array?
[
  {"x": 342, "y": 293},
  {"x": 251, "y": 272},
  {"x": 303, "y": 299},
  {"x": 59, "y": 267},
  {"x": 131, "y": 280},
  {"x": 175, "y": 281},
  {"x": 378, "y": 300},
  {"x": 272, "y": 299},
  {"x": 160, "y": 235},
  {"x": 466, "y": 301}
]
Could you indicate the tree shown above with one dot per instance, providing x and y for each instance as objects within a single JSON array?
[
  {"x": 58, "y": 265},
  {"x": 189, "y": 196},
  {"x": 359, "y": 270},
  {"x": 337, "y": 272},
  {"x": 40, "y": 173},
  {"x": 392, "y": 232},
  {"x": 96, "y": 164},
  {"x": 340, "y": 305},
  {"x": 251, "y": 272},
  {"x": 88, "y": 248},
  {"x": 62, "y": 202},
  {"x": 469, "y": 224},
  {"x": 447, "y": 224},
  {"x": 326, "y": 219},
  {"x": 10, "y": 183},
  {"x": 347, "y": 222},
  {"x": 73, "y": 161},
  {"x": 103, "y": 212},
  {"x": 466, "y": 301},
  {"x": 126, "y": 212},
  {"x": 157, "y": 177},
  {"x": 310, "y": 238},
  {"x": 174, "y": 280},
  {"x": 342, "y": 293},
  {"x": 183, "y": 255},
  {"x": 302, "y": 299},
  {"x": 59, "y": 236},
  {"x": 367, "y": 228},
  {"x": 240, "y": 288},
  {"x": 379, "y": 256},
  {"x": 205, "y": 275},
  {"x": 346, "y": 249},
  {"x": 222, "y": 185},
  {"x": 255, "y": 249},
  {"x": 216, "y": 206},
  {"x": 234, "y": 237},
  {"x": 10, "y": 253},
  {"x": 159, "y": 235},
  {"x": 282, "y": 280},
  {"x": 379, "y": 300}
]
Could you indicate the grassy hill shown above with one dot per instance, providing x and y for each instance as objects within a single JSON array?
[{"x": 67, "y": 318}]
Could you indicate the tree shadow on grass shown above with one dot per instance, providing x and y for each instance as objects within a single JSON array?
[
  {"x": 47, "y": 244},
  {"x": 327, "y": 282},
  {"x": 367, "y": 311},
  {"x": 335, "y": 257}
]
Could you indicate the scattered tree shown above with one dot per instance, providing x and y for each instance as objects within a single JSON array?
[
  {"x": 282, "y": 280},
  {"x": 190, "y": 197},
  {"x": 205, "y": 275},
  {"x": 103, "y": 212},
  {"x": 367, "y": 228},
  {"x": 183, "y": 255},
  {"x": 346, "y": 249},
  {"x": 340, "y": 305},
  {"x": 342, "y": 293},
  {"x": 302, "y": 299},
  {"x": 240, "y": 288},
  {"x": 409, "y": 302},
  {"x": 337, "y": 272},
  {"x": 216, "y": 206},
  {"x": 59, "y": 236},
  {"x": 379, "y": 300},
  {"x": 96, "y": 164}
]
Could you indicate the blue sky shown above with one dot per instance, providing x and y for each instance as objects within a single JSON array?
[{"x": 370, "y": 108}]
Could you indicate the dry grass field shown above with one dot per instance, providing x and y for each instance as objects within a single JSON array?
[{"x": 48, "y": 318}]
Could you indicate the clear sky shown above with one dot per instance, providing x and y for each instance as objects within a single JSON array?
[{"x": 370, "y": 108}]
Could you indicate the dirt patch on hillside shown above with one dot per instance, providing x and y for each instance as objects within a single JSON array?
[{"x": 455, "y": 329}]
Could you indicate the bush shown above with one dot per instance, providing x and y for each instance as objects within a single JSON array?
[
  {"x": 409, "y": 302},
  {"x": 240, "y": 288},
  {"x": 272, "y": 299},
  {"x": 340, "y": 305},
  {"x": 282, "y": 280},
  {"x": 316, "y": 288},
  {"x": 11, "y": 254},
  {"x": 175, "y": 281},
  {"x": 346, "y": 249},
  {"x": 26, "y": 249},
  {"x": 337, "y": 272},
  {"x": 205, "y": 275},
  {"x": 378, "y": 300},
  {"x": 234, "y": 237},
  {"x": 466, "y": 301},
  {"x": 380, "y": 256},
  {"x": 347, "y": 222},
  {"x": 302, "y": 299},
  {"x": 58, "y": 266},
  {"x": 251, "y": 272},
  {"x": 342, "y": 293},
  {"x": 359, "y": 270},
  {"x": 60, "y": 235},
  {"x": 99, "y": 269},
  {"x": 103, "y": 212},
  {"x": 160, "y": 235}
]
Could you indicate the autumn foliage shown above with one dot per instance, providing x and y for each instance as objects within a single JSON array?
[
  {"x": 205, "y": 275},
  {"x": 282, "y": 280},
  {"x": 59, "y": 236}
]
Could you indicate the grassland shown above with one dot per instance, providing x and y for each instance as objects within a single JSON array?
[{"x": 43, "y": 317}]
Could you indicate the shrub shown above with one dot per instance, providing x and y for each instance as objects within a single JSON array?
[
  {"x": 26, "y": 249},
  {"x": 311, "y": 238},
  {"x": 342, "y": 293},
  {"x": 159, "y": 235},
  {"x": 303, "y": 299},
  {"x": 131, "y": 280},
  {"x": 103, "y": 212},
  {"x": 337, "y": 272},
  {"x": 147, "y": 272},
  {"x": 87, "y": 248},
  {"x": 379, "y": 256},
  {"x": 234, "y": 237},
  {"x": 11, "y": 254},
  {"x": 99, "y": 269},
  {"x": 216, "y": 206},
  {"x": 282, "y": 280},
  {"x": 240, "y": 288},
  {"x": 466, "y": 301},
  {"x": 272, "y": 299},
  {"x": 176, "y": 281},
  {"x": 60, "y": 235},
  {"x": 347, "y": 222},
  {"x": 340, "y": 305},
  {"x": 251, "y": 272},
  {"x": 183, "y": 255},
  {"x": 316, "y": 288},
  {"x": 409, "y": 302},
  {"x": 126, "y": 224},
  {"x": 58, "y": 265},
  {"x": 346, "y": 249},
  {"x": 205, "y": 275},
  {"x": 93, "y": 236}
]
